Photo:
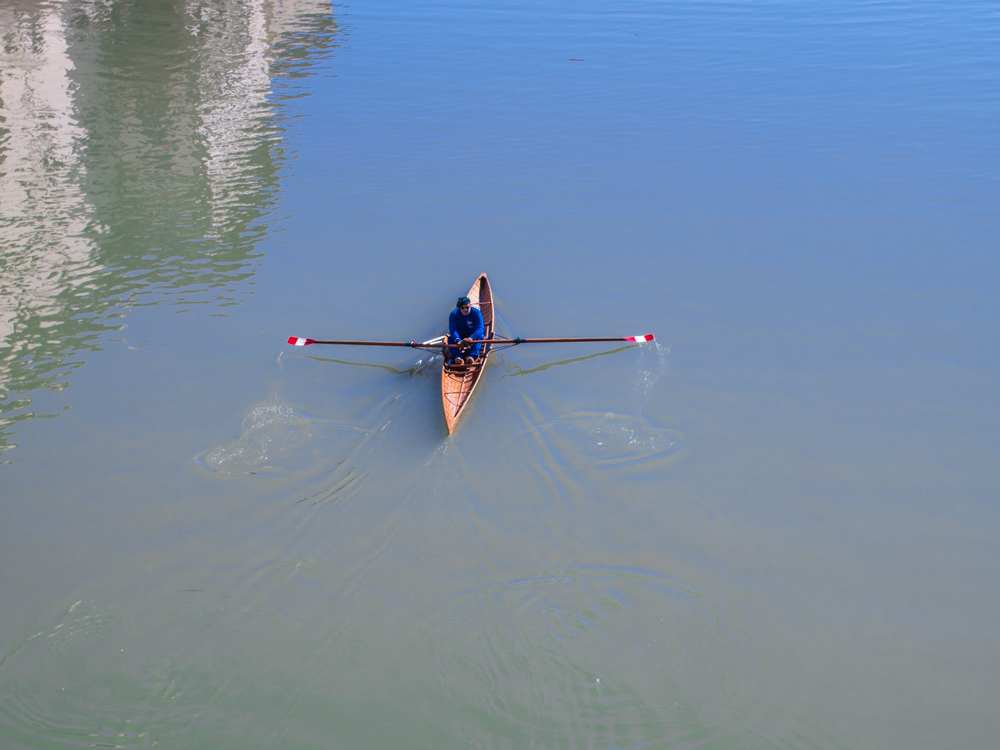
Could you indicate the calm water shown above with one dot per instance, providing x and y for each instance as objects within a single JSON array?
[{"x": 774, "y": 528}]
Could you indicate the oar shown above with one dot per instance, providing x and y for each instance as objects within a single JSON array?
[
  {"x": 295, "y": 341},
  {"x": 634, "y": 339}
]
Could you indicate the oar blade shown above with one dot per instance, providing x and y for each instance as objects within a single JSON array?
[
  {"x": 296, "y": 341},
  {"x": 641, "y": 339}
]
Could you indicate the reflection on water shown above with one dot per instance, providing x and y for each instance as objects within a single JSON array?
[
  {"x": 548, "y": 365},
  {"x": 418, "y": 366},
  {"x": 139, "y": 152},
  {"x": 47, "y": 259}
]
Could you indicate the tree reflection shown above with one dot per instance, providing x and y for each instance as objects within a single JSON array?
[{"x": 140, "y": 148}]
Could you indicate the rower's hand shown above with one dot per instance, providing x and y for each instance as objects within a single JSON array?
[{"x": 465, "y": 343}]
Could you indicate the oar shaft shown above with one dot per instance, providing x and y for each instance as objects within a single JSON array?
[
  {"x": 295, "y": 341},
  {"x": 368, "y": 343},
  {"x": 632, "y": 339},
  {"x": 554, "y": 341}
]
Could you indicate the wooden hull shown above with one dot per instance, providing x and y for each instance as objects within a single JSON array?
[{"x": 458, "y": 383}]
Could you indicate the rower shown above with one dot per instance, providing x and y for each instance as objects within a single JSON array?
[{"x": 465, "y": 326}]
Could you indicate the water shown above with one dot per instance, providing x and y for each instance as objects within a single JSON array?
[{"x": 773, "y": 528}]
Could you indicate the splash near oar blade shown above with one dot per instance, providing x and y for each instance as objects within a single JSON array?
[{"x": 640, "y": 339}]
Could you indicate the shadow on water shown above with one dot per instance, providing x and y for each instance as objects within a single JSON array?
[
  {"x": 128, "y": 182},
  {"x": 418, "y": 365},
  {"x": 542, "y": 368}
]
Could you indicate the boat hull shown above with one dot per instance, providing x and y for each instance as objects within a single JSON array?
[{"x": 458, "y": 383}]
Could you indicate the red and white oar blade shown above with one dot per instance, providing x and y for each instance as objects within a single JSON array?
[
  {"x": 295, "y": 341},
  {"x": 640, "y": 339}
]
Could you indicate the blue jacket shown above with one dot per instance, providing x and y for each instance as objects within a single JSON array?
[{"x": 466, "y": 326}]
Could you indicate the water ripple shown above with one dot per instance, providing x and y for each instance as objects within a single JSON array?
[
  {"x": 563, "y": 656},
  {"x": 277, "y": 437},
  {"x": 608, "y": 439}
]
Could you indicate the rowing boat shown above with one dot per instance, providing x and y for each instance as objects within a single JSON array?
[{"x": 459, "y": 381}]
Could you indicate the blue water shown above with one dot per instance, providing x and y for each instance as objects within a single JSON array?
[{"x": 774, "y": 527}]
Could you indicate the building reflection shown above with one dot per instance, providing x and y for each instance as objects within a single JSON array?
[{"x": 140, "y": 145}]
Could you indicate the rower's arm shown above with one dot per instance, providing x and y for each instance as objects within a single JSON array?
[{"x": 480, "y": 326}]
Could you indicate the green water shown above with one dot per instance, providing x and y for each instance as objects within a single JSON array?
[{"x": 773, "y": 528}]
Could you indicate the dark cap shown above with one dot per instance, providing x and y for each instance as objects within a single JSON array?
[{"x": 463, "y": 301}]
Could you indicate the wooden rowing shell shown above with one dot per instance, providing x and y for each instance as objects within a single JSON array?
[{"x": 458, "y": 382}]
